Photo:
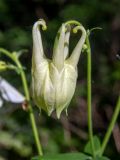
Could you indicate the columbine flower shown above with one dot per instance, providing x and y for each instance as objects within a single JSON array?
[{"x": 54, "y": 81}]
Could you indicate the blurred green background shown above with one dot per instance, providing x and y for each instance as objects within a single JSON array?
[{"x": 69, "y": 133}]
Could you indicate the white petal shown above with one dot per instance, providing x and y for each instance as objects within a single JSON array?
[
  {"x": 38, "y": 53},
  {"x": 74, "y": 58},
  {"x": 66, "y": 44},
  {"x": 58, "y": 52},
  {"x": 9, "y": 93}
]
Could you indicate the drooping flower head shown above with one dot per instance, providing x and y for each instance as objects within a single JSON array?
[{"x": 54, "y": 80}]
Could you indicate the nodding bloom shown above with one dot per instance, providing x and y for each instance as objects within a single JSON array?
[{"x": 54, "y": 80}]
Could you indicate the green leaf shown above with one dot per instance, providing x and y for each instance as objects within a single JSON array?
[
  {"x": 102, "y": 158},
  {"x": 66, "y": 156},
  {"x": 97, "y": 146}
]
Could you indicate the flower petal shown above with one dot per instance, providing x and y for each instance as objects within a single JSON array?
[
  {"x": 38, "y": 54},
  {"x": 67, "y": 37},
  {"x": 58, "y": 52},
  {"x": 74, "y": 58}
]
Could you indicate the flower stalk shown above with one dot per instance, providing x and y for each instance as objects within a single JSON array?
[
  {"x": 111, "y": 126},
  {"x": 15, "y": 59},
  {"x": 89, "y": 95}
]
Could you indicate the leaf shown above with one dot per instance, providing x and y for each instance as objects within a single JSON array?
[
  {"x": 66, "y": 156},
  {"x": 97, "y": 146},
  {"x": 102, "y": 158}
]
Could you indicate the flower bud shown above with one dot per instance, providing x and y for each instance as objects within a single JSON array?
[
  {"x": 54, "y": 81},
  {"x": 3, "y": 66}
]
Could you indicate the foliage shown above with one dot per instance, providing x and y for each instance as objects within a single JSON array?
[
  {"x": 69, "y": 156},
  {"x": 97, "y": 145}
]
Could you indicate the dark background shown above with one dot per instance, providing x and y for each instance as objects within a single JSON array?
[{"x": 69, "y": 133}]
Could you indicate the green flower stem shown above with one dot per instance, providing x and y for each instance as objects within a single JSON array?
[
  {"x": 73, "y": 22},
  {"x": 32, "y": 118},
  {"x": 14, "y": 58},
  {"x": 111, "y": 126},
  {"x": 7, "y": 53},
  {"x": 90, "y": 128}
]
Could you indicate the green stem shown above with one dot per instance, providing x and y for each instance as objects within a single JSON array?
[
  {"x": 90, "y": 128},
  {"x": 14, "y": 58},
  {"x": 31, "y": 114},
  {"x": 7, "y": 53},
  {"x": 111, "y": 126},
  {"x": 73, "y": 22}
]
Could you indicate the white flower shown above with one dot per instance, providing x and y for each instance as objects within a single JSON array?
[
  {"x": 10, "y": 93},
  {"x": 54, "y": 81}
]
